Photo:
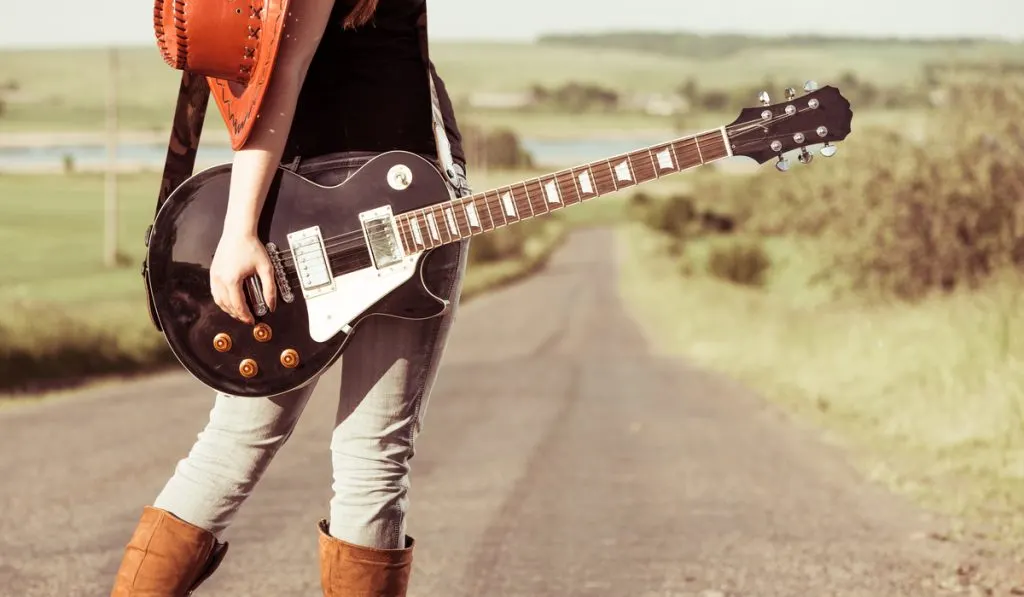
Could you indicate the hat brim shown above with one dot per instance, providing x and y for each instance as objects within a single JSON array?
[{"x": 239, "y": 104}]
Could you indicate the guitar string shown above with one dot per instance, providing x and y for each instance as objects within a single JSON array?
[
  {"x": 332, "y": 242},
  {"x": 344, "y": 242}
]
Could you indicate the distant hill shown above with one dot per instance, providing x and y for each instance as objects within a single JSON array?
[{"x": 692, "y": 45}]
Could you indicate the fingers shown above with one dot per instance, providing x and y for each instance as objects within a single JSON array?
[
  {"x": 228, "y": 296},
  {"x": 236, "y": 301},
  {"x": 266, "y": 273}
]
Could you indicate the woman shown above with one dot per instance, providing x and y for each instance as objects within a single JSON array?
[{"x": 350, "y": 81}]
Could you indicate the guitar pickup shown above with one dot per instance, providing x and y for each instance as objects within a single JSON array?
[{"x": 382, "y": 237}]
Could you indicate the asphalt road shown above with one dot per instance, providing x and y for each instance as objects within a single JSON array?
[{"x": 559, "y": 458}]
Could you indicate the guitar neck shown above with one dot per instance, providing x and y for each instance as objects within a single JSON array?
[{"x": 451, "y": 221}]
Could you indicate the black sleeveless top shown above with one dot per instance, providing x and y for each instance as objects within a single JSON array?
[{"x": 367, "y": 89}]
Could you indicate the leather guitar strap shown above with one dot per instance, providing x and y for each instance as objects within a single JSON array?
[{"x": 186, "y": 129}]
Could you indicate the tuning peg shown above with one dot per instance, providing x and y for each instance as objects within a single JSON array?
[
  {"x": 805, "y": 157},
  {"x": 782, "y": 165},
  {"x": 810, "y": 86},
  {"x": 790, "y": 93},
  {"x": 764, "y": 98},
  {"x": 828, "y": 150}
]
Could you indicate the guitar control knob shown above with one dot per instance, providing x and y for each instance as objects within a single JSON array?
[
  {"x": 248, "y": 368},
  {"x": 290, "y": 358},
  {"x": 222, "y": 342},
  {"x": 262, "y": 333}
]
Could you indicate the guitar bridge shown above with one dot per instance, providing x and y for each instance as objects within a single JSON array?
[
  {"x": 382, "y": 237},
  {"x": 283, "y": 286},
  {"x": 311, "y": 262}
]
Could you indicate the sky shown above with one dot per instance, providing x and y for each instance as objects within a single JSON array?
[{"x": 62, "y": 23}]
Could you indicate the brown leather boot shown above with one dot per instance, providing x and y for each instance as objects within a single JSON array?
[
  {"x": 166, "y": 557},
  {"x": 348, "y": 570}
]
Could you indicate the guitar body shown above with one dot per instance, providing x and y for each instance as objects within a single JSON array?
[
  {"x": 345, "y": 253},
  {"x": 305, "y": 335}
]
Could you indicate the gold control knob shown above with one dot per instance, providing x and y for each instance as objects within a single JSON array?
[
  {"x": 262, "y": 333},
  {"x": 290, "y": 358},
  {"x": 248, "y": 368},
  {"x": 222, "y": 342}
]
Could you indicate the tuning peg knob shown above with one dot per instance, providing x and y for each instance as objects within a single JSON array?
[
  {"x": 782, "y": 165},
  {"x": 810, "y": 86},
  {"x": 764, "y": 98},
  {"x": 805, "y": 157},
  {"x": 790, "y": 93},
  {"x": 828, "y": 150}
]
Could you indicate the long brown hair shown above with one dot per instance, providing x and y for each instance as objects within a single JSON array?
[{"x": 361, "y": 13}]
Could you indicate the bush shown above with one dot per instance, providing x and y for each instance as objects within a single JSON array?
[
  {"x": 900, "y": 216},
  {"x": 746, "y": 264}
]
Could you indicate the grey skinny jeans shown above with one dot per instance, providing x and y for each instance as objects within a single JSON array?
[{"x": 388, "y": 370}]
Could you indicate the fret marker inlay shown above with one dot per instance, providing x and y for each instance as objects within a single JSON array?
[
  {"x": 471, "y": 215},
  {"x": 585, "y": 184},
  {"x": 665, "y": 160},
  {"x": 452, "y": 226},
  {"x": 622, "y": 172},
  {"x": 416, "y": 234},
  {"x": 432, "y": 224},
  {"x": 510, "y": 207},
  {"x": 551, "y": 191}
]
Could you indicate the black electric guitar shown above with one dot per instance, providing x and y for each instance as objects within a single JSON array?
[{"x": 340, "y": 252}]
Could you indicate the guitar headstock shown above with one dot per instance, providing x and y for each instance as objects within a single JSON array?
[{"x": 820, "y": 116}]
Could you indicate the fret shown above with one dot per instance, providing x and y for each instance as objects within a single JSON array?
[
  {"x": 494, "y": 211},
  {"x": 688, "y": 155},
  {"x": 415, "y": 220},
  {"x": 713, "y": 145},
  {"x": 441, "y": 223},
  {"x": 586, "y": 184},
  {"x": 604, "y": 178},
  {"x": 403, "y": 230},
  {"x": 537, "y": 195},
  {"x": 431, "y": 219},
  {"x": 624, "y": 175},
  {"x": 450, "y": 221},
  {"x": 533, "y": 202},
  {"x": 472, "y": 216},
  {"x": 509, "y": 209},
  {"x": 567, "y": 188},
  {"x": 664, "y": 159},
  {"x": 483, "y": 207},
  {"x": 644, "y": 169}
]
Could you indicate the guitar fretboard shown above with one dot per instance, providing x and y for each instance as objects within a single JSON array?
[{"x": 450, "y": 221}]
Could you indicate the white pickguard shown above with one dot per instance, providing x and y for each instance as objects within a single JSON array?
[{"x": 354, "y": 293}]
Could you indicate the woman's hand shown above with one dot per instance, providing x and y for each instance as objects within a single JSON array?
[{"x": 239, "y": 256}]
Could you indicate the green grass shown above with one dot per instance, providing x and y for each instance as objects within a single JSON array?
[
  {"x": 52, "y": 96},
  {"x": 64, "y": 315},
  {"x": 929, "y": 397}
]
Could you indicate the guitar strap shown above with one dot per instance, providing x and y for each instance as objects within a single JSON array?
[{"x": 190, "y": 113}]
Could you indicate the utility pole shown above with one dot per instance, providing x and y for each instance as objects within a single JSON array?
[{"x": 110, "y": 198}]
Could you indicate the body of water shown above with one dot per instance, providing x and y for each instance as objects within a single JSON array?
[{"x": 553, "y": 152}]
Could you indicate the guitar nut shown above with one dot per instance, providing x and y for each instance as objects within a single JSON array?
[
  {"x": 290, "y": 358},
  {"x": 222, "y": 342},
  {"x": 262, "y": 333},
  {"x": 248, "y": 368}
]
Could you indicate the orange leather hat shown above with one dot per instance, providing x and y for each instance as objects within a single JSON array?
[{"x": 233, "y": 43}]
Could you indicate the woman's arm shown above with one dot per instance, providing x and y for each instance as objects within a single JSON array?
[{"x": 239, "y": 253}]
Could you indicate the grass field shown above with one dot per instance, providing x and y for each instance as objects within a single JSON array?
[
  {"x": 63, "y": 314},
  {"x": 929, "y": 397},
  {"x": 52, "y": 95}
]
